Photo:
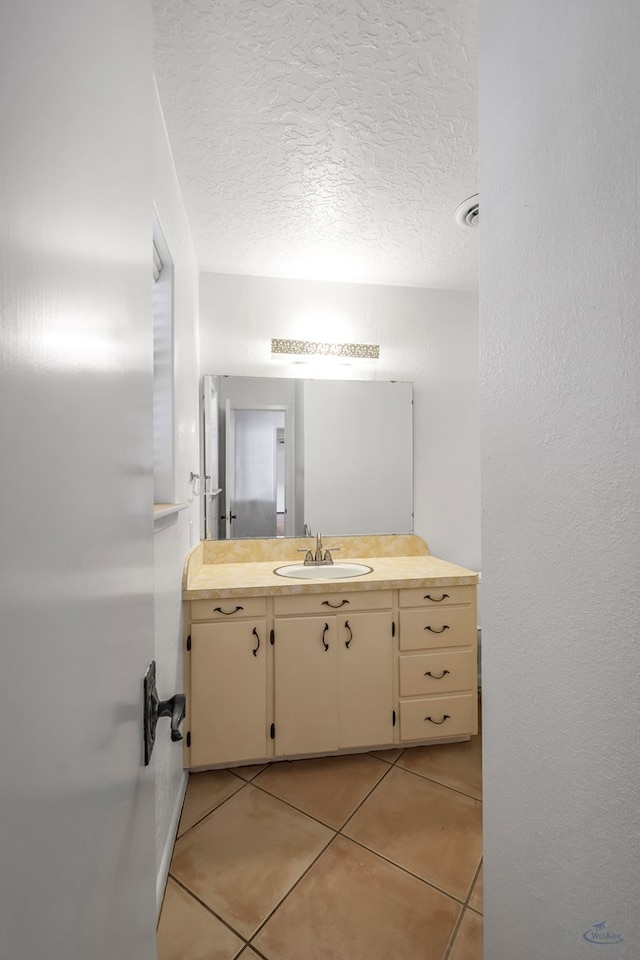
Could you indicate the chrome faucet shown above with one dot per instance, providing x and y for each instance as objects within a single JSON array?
[{"x": 319, "y": 557}]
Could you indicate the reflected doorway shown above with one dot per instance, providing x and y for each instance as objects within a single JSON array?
[{"x": 255, "y": 473}]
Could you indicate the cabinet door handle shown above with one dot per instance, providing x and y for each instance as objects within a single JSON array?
[
  {"x": 434, "y": 676},
  {"x": 438, "y": 722},
  {"x": 334, "y": 606},
  {"x": 427, "y": 596},
  {"x": 347, "y": 643},
  {"x": 324, "y": 643},
  {"x": 441, "y": 630},
  {"x": 254, "y": 633},
  {"x": 227, "y": 613}
]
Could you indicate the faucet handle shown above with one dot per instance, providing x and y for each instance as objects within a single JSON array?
[{"x": 327, "y": 555}]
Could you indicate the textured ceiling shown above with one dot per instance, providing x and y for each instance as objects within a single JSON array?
[{"x": 323, "y": 139}]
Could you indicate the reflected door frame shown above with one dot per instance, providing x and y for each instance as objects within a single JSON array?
[{"x": 229, "y": 459}]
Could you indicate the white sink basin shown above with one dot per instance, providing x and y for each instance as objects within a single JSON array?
[{"x": 335, "y": 571}]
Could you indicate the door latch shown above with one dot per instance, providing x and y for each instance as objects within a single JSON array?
[{"x": 154, "y": 708}]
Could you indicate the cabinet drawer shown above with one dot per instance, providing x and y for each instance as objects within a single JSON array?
[
  {"x": 433, "y": 718},
  {"x": 425, "y": 629},
  {"x": 436, "y": 596},
  {"x": 328, "y": 603},
  {"x": 431, "y": 673},
  {"x": 229, "y": 610}
]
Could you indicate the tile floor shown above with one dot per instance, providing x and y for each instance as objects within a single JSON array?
[{"x": 366, "y": 857}]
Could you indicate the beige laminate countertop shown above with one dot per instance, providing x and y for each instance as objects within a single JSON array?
[{"x": 205, "y": 581}]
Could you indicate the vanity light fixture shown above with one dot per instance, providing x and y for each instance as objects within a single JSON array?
[{"x": 340, "y": 351}]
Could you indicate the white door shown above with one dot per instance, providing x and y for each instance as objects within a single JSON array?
[{"x": 77, "y": 851}]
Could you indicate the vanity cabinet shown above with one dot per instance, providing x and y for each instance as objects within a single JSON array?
[
  {"x": 286, "y": 675},
  {"x": 333, "y": 672},
  {"x": 228, "y": 681},
  {"x": 437, "y": 663}
]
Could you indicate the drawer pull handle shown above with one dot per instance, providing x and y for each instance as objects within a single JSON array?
[
  {"x": 439, "y": 722},
  {"x": 254, "y": 633},
  {"x": 427, "y": 596},
  {"x": 441, "y": 630},
  {"x": 347, "y": 626},
  {"x": 433, "y": 675},
  {"x": 334, "y": 606},
  {"x": 227, "y": 613},
  {"x": 324, "y": 643}
]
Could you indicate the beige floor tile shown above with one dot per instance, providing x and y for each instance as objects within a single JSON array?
[
  {"x": 205, "y": 791},
  {"x": 248, "y": 954},
  {"x": 389, "y": 755},
  {"x": 468, "y": 942},
  {"x": 187, "y": 931},
  {"x": 244, "y": 857},
  {"x": 352, "y": 905},
  {"x": 250, "y": 771},
  {"x": 431, "y": 830},
  {"x": 458, "y": 765},
  {"x": 328, "y": 788},
  {"x": 476, "y": 899}
]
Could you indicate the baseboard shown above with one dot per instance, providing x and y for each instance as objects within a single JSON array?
[{"x": 165, "y": 861}]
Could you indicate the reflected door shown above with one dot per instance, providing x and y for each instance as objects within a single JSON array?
[{"x": 254, "y": 441}]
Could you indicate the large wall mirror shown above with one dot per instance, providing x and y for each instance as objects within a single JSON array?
[{"x": 285, "y": 457}]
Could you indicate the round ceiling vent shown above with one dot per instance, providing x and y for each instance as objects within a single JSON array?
[{"x": 468, "y": 212}]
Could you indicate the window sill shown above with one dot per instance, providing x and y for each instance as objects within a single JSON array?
[{"x": 161, "y": 510}]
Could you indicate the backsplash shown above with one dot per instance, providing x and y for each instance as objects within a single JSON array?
[{"x": 245, "y": 551}]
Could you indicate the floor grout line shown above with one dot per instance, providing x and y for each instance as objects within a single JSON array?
[
  {"x": 364, "y": 800},
  {"x": 465, "y": 907},
  {"x": 416, "y": 876},
  {"x": 473, "y": 883},
  {"x": 209, "y": 812},
  {"x": 448, "y": 786},
  {"x": 454, "y": 935},
  {"x": 257, "y": 952},
  {"x": 316, "y": 819},
  {"x": 291, "y": 889},
  {"x": 210, "y": 910}
]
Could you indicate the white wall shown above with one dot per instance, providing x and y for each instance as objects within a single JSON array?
[
  {"x": 175, "y": 535},
  {"x": 560, "y": 135},
  {"x": 429, "y": 337}
]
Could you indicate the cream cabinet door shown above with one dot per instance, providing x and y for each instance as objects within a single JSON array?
[
  {"x": 365, "y": 672},
  {"x": 305, "y": 685},
  {"x": 228, "y": 692}
]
